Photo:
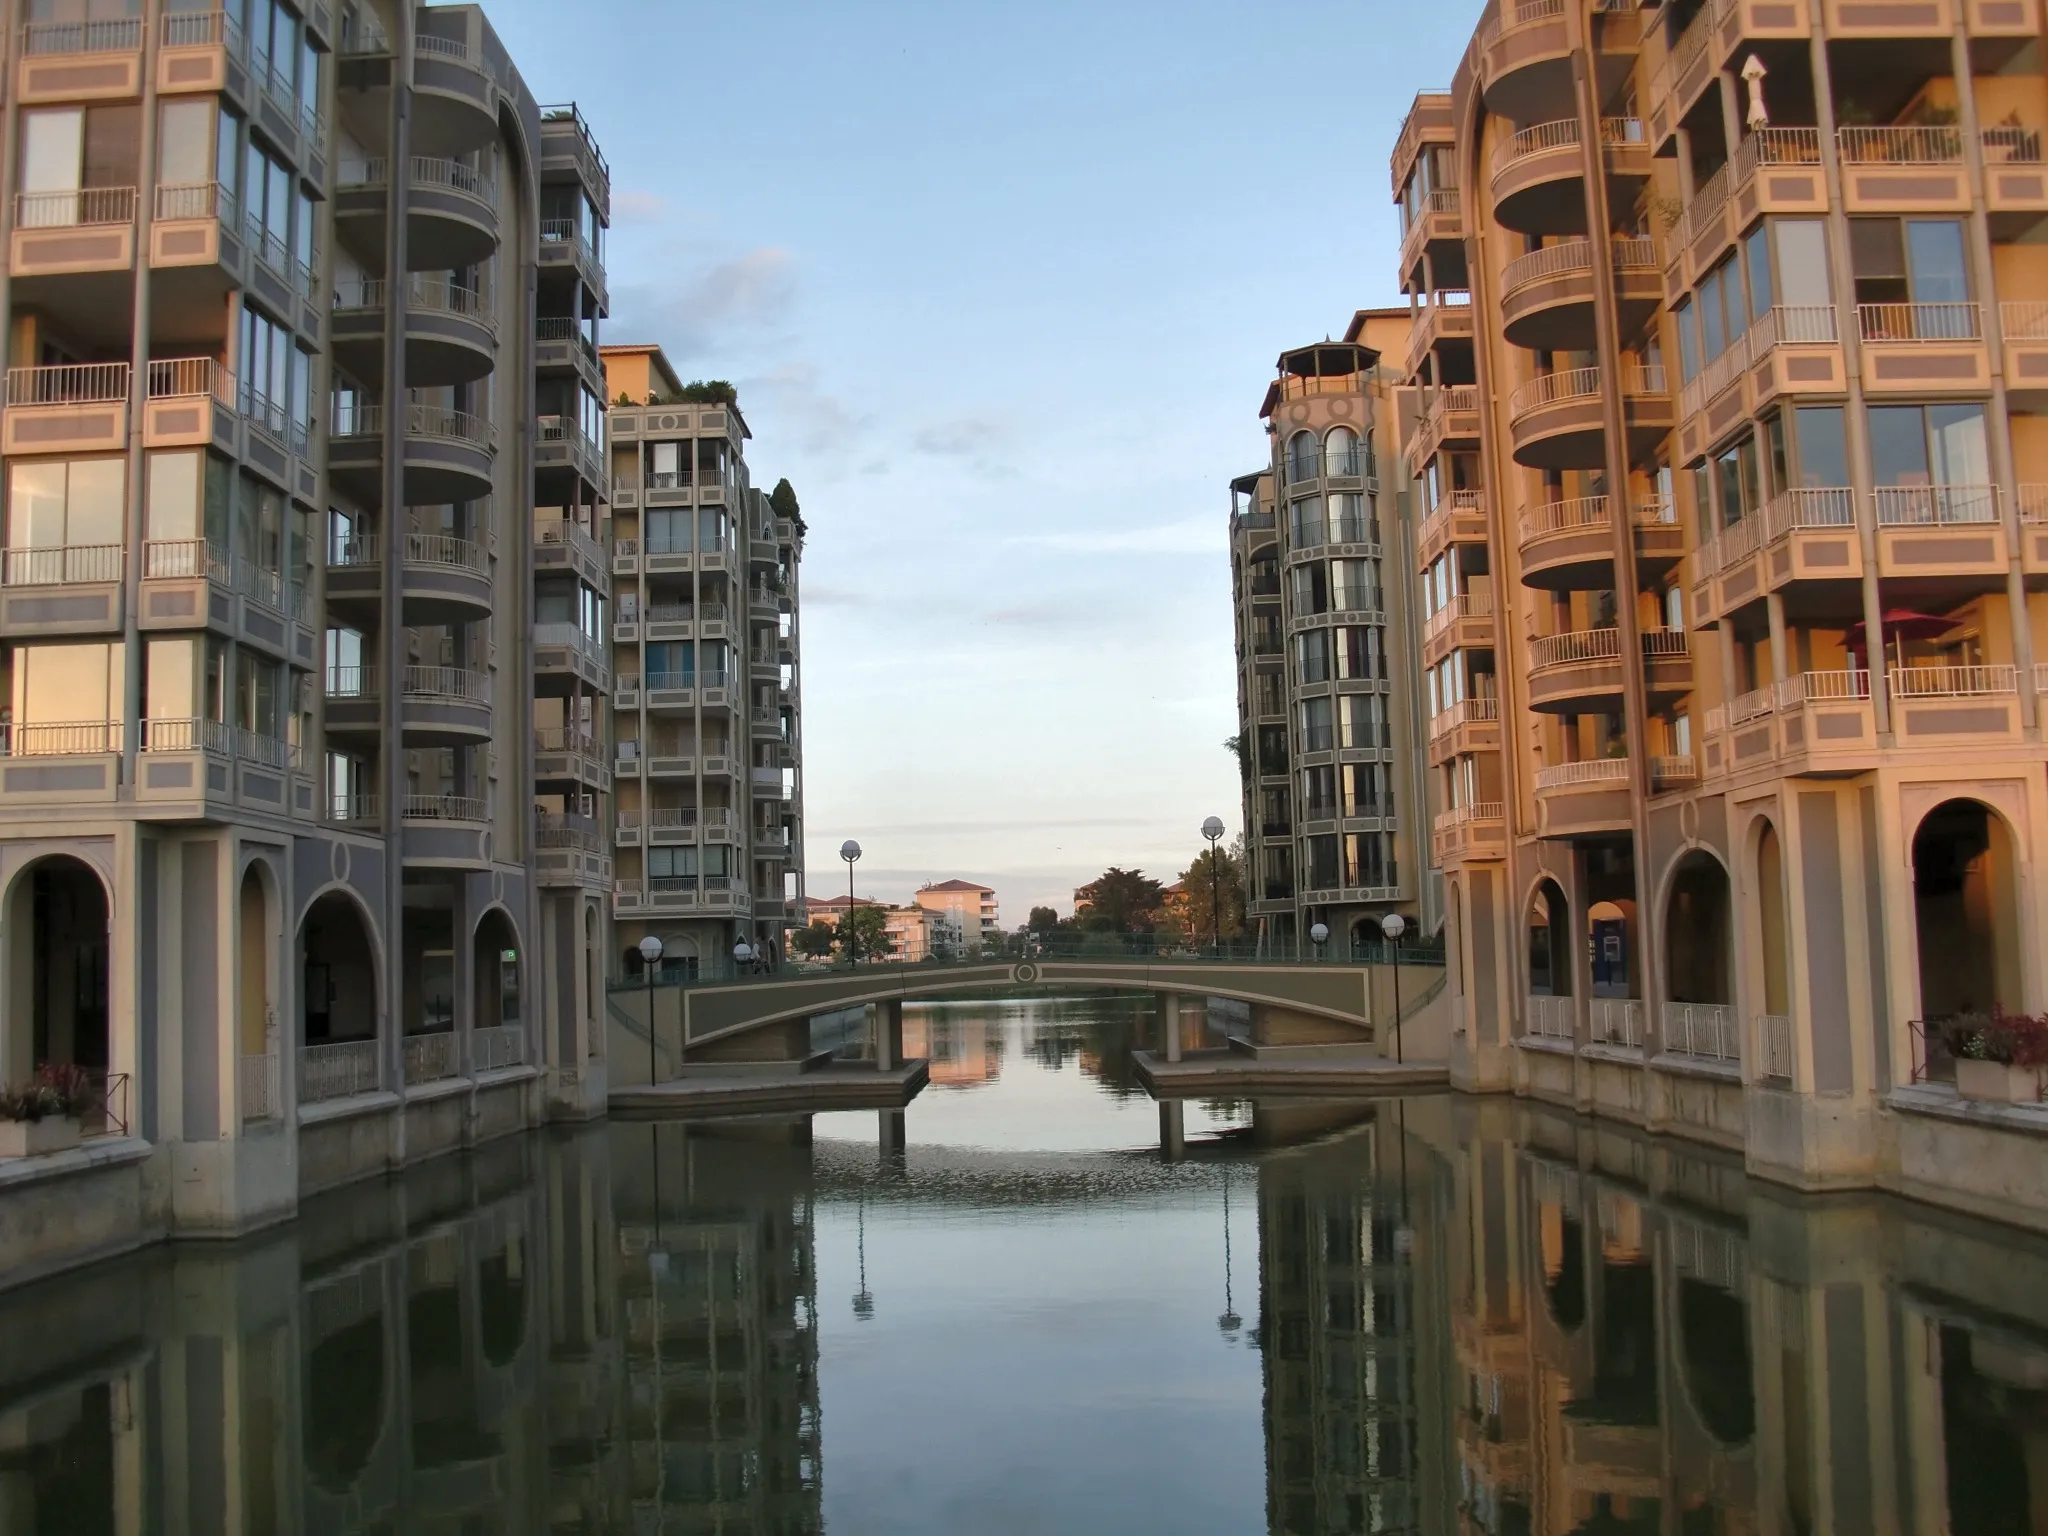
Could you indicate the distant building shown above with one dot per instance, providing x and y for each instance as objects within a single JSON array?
[
  {"x": 968, "y": 911},
  {"x": 913, "y": 931}
]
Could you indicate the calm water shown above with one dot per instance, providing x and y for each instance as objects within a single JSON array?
[{"x": 1013, "y": 1313}]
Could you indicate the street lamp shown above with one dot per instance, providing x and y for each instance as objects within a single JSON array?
[
  {"x": 1393, "y": 925},
  {"x": 1212, "y": 829},
  {"x": 849, "y": 851},
  {"x": 742, "y": 953},
  {"x": 650, "y": 957},
  {"x": 1319, "y": 935}
]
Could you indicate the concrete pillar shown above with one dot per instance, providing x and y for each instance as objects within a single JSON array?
[
  {"x": 1173, "y": 1133},
  {"x": 1169, "y": 1025},
  {"x": 890, "y": 1133},
  {"x": 888, "y": 1024}
]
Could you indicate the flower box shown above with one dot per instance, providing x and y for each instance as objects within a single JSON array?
[
  {"x": 34, "y": 1138},
  {"x": 1997, "y": 1083}
]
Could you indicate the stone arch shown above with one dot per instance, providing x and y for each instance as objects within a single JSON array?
[
  {"x": 497, "y": 970},
  {"x": 1697, "y": 906},
  {"x": 58, "y": 920},
  {"x": 1548, "y": 953},
  {"x": 259, "y": 967},
  {"x": 1713, "y": 1360},
  {"x": 1771, "y": 925},
  {"x": 1966, "y": 910},
  {"x": 341, "y": 968},
  {"x": 501, "y": 1299},
  {"x": 345, "y": 1392}
]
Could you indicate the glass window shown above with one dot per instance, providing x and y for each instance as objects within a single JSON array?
[
  {"x": 35, "y": 505},
  {"x": 1802, "y": 275},
  {"x": 185, "y": 141},
  {"x": 1956, "y": 449},
  {"x": 1756, "y": 255},
  {"x": 170, "y": 689},
  {"x": 1935, "y": 265},
  {"x": 1305, "y": 521},
  {"x": 668, "y": 531},
  {"x": 1822, "y": 446},
  {"x": 1713, "y": 331},
  {"x": 55, "y": 684},
  {"x": 1775, "y": 462},
  {"x": 78, "y": 503},
  {"x": 1312, "y": 656},
  {"x": 1688, "y": 339},
  {"x": 1355, "y": 585},
  {"x": 1311, "y": 589},
  {"x": 711, "y": 528},
  {"x": 1898, "y": 445},
  {"x": 1350, "y": 519},
  {"x": 1316, "y": 725},
  {"x": 171, "y": 511}
]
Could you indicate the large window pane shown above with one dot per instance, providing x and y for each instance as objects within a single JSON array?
[
  {"x": 1802, "y": 275},
  {"x": 171, "y": 686},
  {"x": 1823, "y": 446},
  {"x": 1898, "y": 445},
  {"x": 35, "y": 506},
  {"x": 185, "y": 141},
  {"x": 1756, "y": 255},
  {"x": 1934, "y": 253},
  {"x": 93, "y": 501},
  {"x": 1957, "y": 453}
]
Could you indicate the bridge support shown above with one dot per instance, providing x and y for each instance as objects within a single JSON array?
[
  {"x": 888, "y": 1015},
  {"x": 1173, "y": 1130},
  {"x": 1169, "y": 1025}
]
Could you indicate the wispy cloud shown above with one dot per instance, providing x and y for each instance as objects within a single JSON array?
[
  {"x": 1194, "y": 536},
  {"x": 820, "y": 422},
  {"x": 752, "y": 292},
  {"x": 960, "y": 438},
  {"x": 635, "y": 207}
]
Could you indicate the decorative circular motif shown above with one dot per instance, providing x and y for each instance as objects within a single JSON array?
[
  {"x": 497, "y": 875},
  {"x": 1689, "y": 820},
  {"x": 337, "y": 861},
  {"x": 1340, "y": 408},
  {"x": 1024, "y": 974}
]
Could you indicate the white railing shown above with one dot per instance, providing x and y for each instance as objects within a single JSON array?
[
  {"x": 1654, "y": 512},
  {"x": 1465, "y": 815},
  {"x": 1598, "y": 770},
  {"x": 1464, "y": 712},
  {"x": 1708, "y": 199},
  {"x": 569, "y": 636},
  {"x": 1574, "y": 255},
  {"x": 457, "y": 683},
  {"x": 169, "y": 559},
  {"x": 1920, "y": 322},
  {"x": 1924, "y": 144},
  {"x": 445, "y": 549},
  {"x": 1916, "y": 505},
  {"x": 1466, "y": 605},
  {"x": 1793, "y": 325},
  {"x": 194, "y": 199},
  {"x": 2010, "y": 144},
  {"x": 1838, "y": 687},
  {"x": 1552, "y": 388},
  {"x": 201, "y": 29},
  {"x": 425, "y": 293},
  {"x": 445, "y": 808},
  {"x": 189, "y": 733},
  {"x": 2024, "y": 319},
  {"x": 1634, "y": 253},
  {"x": 1548, "y": 1018},
  {"x": 173, "y": 378},
  {"x": 68, "y": 384},
  {"x": 498, "y": 1047},
  {"x": 1562, "y": 516},
  {"x": 116, "y": 34},
  {"x": 61, "y": 738},
  {"x": 1776, "y": 146},
  {"x": 1562, "y": 133},
  {"x": 1832, "y": 506},
  {"x": 558, "y": 829},
  {"x": 551, "y": 531},
  {"x": 338, "y": 1070},
  {"x": 424, "y": 171},
  {"x": 429, "y": 1058},
  {"x": 1753, "y": 705},
  {"x": 1774, "y": 1046},
  {"x": 1674, "y": 769},
  {"x": 62, "y": 565},
  {"x": 74, "y": 208},
  {"x": 1665, "y": 644},
  {"x": 1704, "y": 1030},
  {"x": 1968, "y": 682},
  {"x": 1578, "y": 646},
  {"x": 262, "y": 1090},
  {"x": 1616, "y": 1022}
]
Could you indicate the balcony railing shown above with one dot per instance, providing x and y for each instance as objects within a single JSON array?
[
  {"x": 1466, "y": 605},
  {"x": 1674, "y": 769},
  {"x": 119, "y": 34},
  {"x": 1578, "y": 646},
  {"x": 497, "y": 1047},
  {"x": 456, "y": 683},
  {"x": 1616, "y": 1022},
  {"x": 1548, "y": 1018},
  {"x": 1563, "y": 516},
  {"x": 194, "y": 199},
  {"x": 1923, "y": 505},
  {"x": 1923, "y": 144},
  {"x": 202, "y": 29},
  {"x": 429, "y": 1058},
  {"x": 1599, "y": 770},
  {"x": 1706, "y": 1031},
  {"x": 170, "y": 559},
  {"x": 1831, "y": 506},
  {"x": 425, "y": 293},
  {"x": 1965, "y": 682},
  {"x": 1920, "y": 322},
  {"x": 2010, "y": 144},
  {"x": 1465, "y": 815},
  {"x": 75, "y": 207},
  {"x": 262, "y": 1091},
  {"x": 445, "y": 808},
  {"x": 1464, "y": 712},
  {"x": 1836, "y": 687},
  {"x": 338, "y": 1070},
  {"x": 65, "y": 738},
  {"x": 557, "y": 829},
  {"x": 1753, "y": 704},
  {"x": 423, "y": 171},
  {"x": 174, "y": 378},
  {"x": 68, "y": 384},
  {"x": 1793, "y": 325},
  {"x": 1774, "y": 1047},
  {"x": 366, "y": 419},
  {"x": 61, "y": 565}
]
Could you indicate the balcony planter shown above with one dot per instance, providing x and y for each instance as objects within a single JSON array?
[
  {"x": 1998, "y": 1082},
  {"x": 34, "y": 1138}
]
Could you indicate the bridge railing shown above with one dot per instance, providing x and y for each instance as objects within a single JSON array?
[{"x": 1087, "y": 948}]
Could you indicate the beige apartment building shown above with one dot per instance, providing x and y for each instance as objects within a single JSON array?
[
  {"x": 1726, "y": 360},
  {"x": 1330, "y": 731},
  {"x": 708, "y": 842},
  {"x": 968, "y": 911},
  {"x": 278, "y": 419}
]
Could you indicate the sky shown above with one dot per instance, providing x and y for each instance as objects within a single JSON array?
[{"x": 1001, "y": 288}]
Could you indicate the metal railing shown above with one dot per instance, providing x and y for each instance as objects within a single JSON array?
[
  {"x": 1707, "y": 1031},
  {"x": 445, "y": 808},
  {"x": 1466, "y": 605},
  {"x": 339, "y": 1069},
  {"x": 425, "y": 293},
  {"x": 557, "y": 829},
  {"x": 1577, "y": 646},
  {"x": 1793, "y": 325},
  {"x": 446, "y": 550},
  {"x": 170, "y": 559},
  {"x": 1753, "y": 704},
  {"x": 75, "y": 207},
  {"x": 366, "y": 419},
  {"x": 2010, "y": 144},
  {"x": 495, "y": 1048},
  {"x": 1597, "y": 770},
  {"x": 1561, "y": 516},
  {"x": 119, "y": 34},
  {"x": 429, "y": 1058},
  {"x": 68, "y": 384},
  {"x": 1553, "y": 388},
  {"x": 188, "y": 733},
  {"x": 556, "y": 738},
  {"x": 63, "y": 738},
  {"x": 1465, "y": 815},
  {"x": 1920, "y": 144},
  {"x": 194, "y": 199},
  {"x": 201, "y": 29},
  {"x": 1836, "y": 687},
  {"x": 1964, "y": 682},
  {"x": 1615, "y": 1022},
  {"x": 1832, "y": 506},
  {"x": 1916, "y": 505},
  {"x": 1563, "y": 133},
  {"x": 1464, "y": 712},
  {"x": 63, "y": 564},
  {"x": 1920, "y": 322},
  {"x": 1776, "y": 146},
  {"x": 1548, "y": 1018},
  {"x": 569, "y": 636},
  {"x": 1681, "y": 768},
  {"x": 262, "y": 1088},
  {"x": 1665, "y": 644},
  {"x": 1774, "y": 1047},
  {"x": 422, "y": 171},
  {"x": 457, "y": 683},
  {"x": 172, "y": 378}
]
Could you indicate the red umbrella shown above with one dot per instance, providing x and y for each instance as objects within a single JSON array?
[{"x": 1899, "y": 624}]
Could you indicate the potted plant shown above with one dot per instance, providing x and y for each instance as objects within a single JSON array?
[
  {"x": 1999, "y": 1056},
  {"x": 44, "y": 1114}
]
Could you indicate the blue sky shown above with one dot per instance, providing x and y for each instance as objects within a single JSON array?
[{"x": 1001, "y": 288}]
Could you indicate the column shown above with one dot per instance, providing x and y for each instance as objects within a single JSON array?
[
  {"x": 888, "y": 1016},
  {"x": 1169, "y": 1026}
]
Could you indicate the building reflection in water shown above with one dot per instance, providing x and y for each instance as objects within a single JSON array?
[{"x": 1472, "y": 1316}]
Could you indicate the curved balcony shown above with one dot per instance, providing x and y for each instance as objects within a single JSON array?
[
  {"x": 1559, "y": 420},
  {"x": 1568, "y": 546},
  {"x": 1547, "y": 296},
  {"x": 451, "y": 336},
  {"x": 444, "y": 580},
  {"x": 455, "y": 96},
  {"x": 438, "y": 706},
  {"x": 447, "y": 454},
  {"x": 451, "y": 211},
  {"x": 447, "y": 831},
  {"x": 1525, "y": 60},
  {"x": 1588, "y": 799},
  {"x": 1576, "y": 673},
  {"x": 1538, "y": 174}
]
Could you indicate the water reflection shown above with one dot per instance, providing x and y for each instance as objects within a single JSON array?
[{"x": 1006, "y": 1311}]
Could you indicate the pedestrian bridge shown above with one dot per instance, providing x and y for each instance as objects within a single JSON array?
[{"x": 766, "y": 1019}]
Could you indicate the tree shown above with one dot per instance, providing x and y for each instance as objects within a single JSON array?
[
  {"x": 1043, "y": 922},
  {"x": 815, "y": 941},
  {"x": 783, "y": 503},
  {"x": 867, "y": 930},
  {"x": 1240, "y": 747},
  {"x": 1221, "y": 870},
  {"x": 1121, "y": 901}
]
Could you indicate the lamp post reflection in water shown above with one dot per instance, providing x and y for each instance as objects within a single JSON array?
[
  {"x": 1229, "y": 1322},
  {"x": 863, "y": 1299}
]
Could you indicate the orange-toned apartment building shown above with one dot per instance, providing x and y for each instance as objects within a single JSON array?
[{"x": 1729, "y": 344}]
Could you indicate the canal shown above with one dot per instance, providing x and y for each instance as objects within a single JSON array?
[{"x": 1011, "y": 1312}]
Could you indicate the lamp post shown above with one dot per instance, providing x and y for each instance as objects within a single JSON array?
[
  {"x": 1319, "y": 935},
  {"x": 1212, "y": 829},
  {"x": 650, "y": 957},
  {"x": 1393, "y": 925},
  {"x": 849, "y": 851},
  {"x": 742, "y": 954}
]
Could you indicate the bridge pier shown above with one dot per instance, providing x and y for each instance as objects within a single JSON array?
[
  {"x": 888, "y": 1026},
  {"x": 1173, "y": 1131},
  {"x": 1169, "y": 1025}
]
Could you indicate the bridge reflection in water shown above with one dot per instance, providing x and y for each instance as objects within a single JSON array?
[{"x": 1437, "y": 1314}]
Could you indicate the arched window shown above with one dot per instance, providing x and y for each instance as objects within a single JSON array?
[
  {"x": 1340, "y": 452},
  {"x": 1966, "y": 911},
  {"x": 1302, "y": 456}
]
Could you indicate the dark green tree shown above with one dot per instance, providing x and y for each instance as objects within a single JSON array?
[
  {"x": 1122, "y": 901},
  {"x": 867, "y": 929},
  {"x": 1042, "y": 922},
  {"x": 814, "y": 941},
  {"x": 1220, "y": 869}
]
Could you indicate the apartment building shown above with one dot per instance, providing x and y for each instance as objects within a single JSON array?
[
  {"x": 268, "y": 602},
  {"x": 1727, "y": 333},
  {"x": 1329, "y": 725},
  {"x": 969, "y": 913},
  {"x": 708, "y": 842}
]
